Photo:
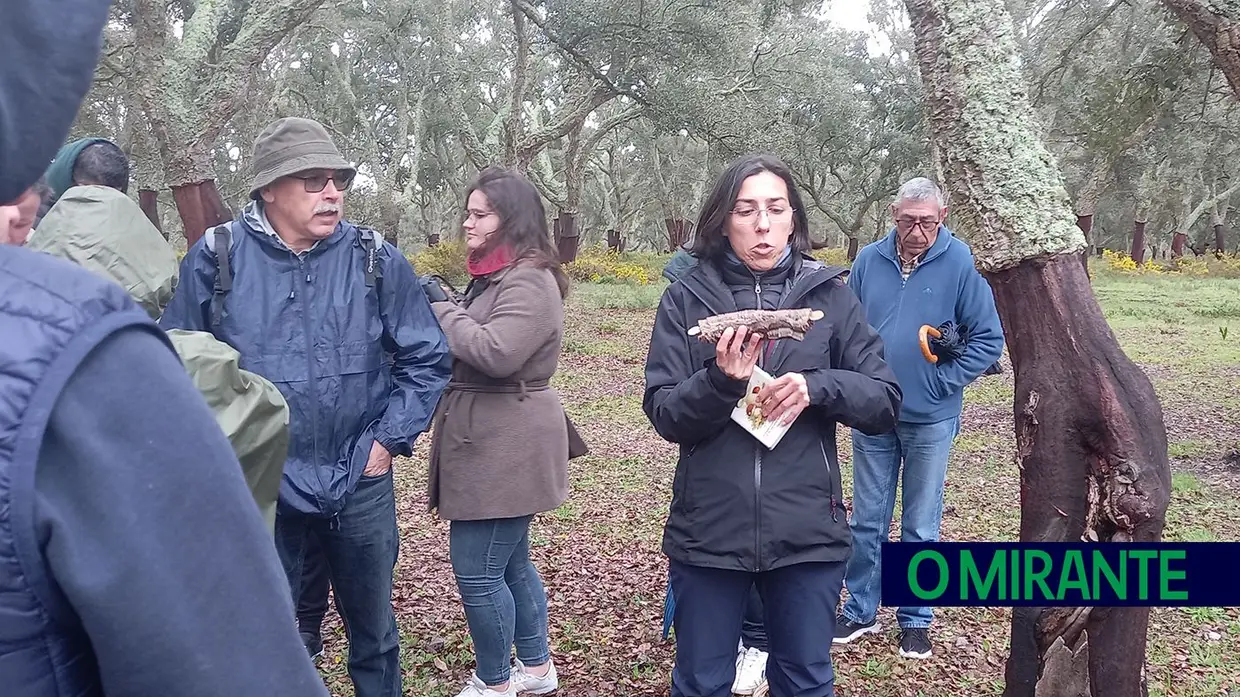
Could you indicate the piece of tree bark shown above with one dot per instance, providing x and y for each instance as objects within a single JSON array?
[
  {"x": 149, "y": 202},
  {"x": 200, "y": 207},
  {"x": 771, "y": 324},
  {"x": 1090, "y": 437},
  {"x": 567, "y": 237},
  {"x": 1218, "y": 223},
  {"x": 1086, "y": 224},
  {"x": 1177, "y": 244},
  {"x": 679, "y": 231},
  {"x": 1137, "y": 252}
]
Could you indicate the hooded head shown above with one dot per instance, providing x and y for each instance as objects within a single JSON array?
[
  {"x": 88, "y": 161},
  {"x": 105, "y": 231}
]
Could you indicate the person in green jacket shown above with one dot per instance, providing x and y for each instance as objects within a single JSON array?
[
  {"x": 105, "y": 231},
  {"x": 88, "y": 161}
]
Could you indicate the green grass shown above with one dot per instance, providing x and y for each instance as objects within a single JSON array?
[
  {"x": 1184, "y": 482},
  {"x": 594, "y": 296},
  {"x": 1169, "y": 320},
  {"x": 990, "y": 392},
  {"x": 1190, "y": 448}
]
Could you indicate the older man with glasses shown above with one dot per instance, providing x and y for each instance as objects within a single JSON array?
[
  {"x": 336, "y": 318},
  {"x": 919, "y": 274}
]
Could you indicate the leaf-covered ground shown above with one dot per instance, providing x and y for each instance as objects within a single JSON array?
[{"x": 599, "y": 553}]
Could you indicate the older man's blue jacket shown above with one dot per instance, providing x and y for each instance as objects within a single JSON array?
[
  {"x": 945, "y": 286},
  {"x": 357, "y": 363}
]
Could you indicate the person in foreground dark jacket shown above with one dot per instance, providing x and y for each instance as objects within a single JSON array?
[
  {"x": 133, "y": 561},
  {"x": 742, "y": 514}
]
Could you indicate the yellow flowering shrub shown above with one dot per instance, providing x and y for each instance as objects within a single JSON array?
[
  {"x": 598, "y": 265},
  {"x": 445, "y": 259},
  {"x": 1207, "y": 266},
  {"x": 1190, "y": 266},
  {"x": 593, "y": 265},
  {"x": 1119, "y": 261},
  {"x": 834, "y": 256}
]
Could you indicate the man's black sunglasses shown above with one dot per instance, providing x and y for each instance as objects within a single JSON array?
[{"x": 314, "y": 183}]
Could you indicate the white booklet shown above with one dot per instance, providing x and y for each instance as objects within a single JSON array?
[{"x": 747, "y": 414}]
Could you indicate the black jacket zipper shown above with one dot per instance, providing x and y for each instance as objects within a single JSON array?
[
  {"x": 830, "y": 481},
  {"x": 788, "y": 298},
  {"x": 757, "y": 464}
]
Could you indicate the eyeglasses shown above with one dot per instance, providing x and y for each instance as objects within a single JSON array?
[
  {"x": 907, "y": 224},
  {"x": 342, "y": 179},
  {"x": 477, "y": 215},
  {"x": 750, "y": 215}
]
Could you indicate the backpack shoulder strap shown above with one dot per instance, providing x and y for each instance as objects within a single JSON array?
[
  {"x": 374, "y": 270},
  {"x": 221, "y": 239}
]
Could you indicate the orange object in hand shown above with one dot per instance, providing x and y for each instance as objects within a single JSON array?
[{"x": 925, "y": 342}]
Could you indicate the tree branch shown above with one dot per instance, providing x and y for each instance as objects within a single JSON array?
[
  {"x": 609, "y": 125},
  {"x": 567, "y": 120},
  {"x": 227, "y": 85},
  {"x": 1064, "y": 55},
  {"x": 1217, "y": 26},
  {"x": 1191, "y": 218},
  {"x": 512, "y": 126}
]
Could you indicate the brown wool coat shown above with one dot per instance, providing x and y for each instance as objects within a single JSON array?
[{"x": 501, "y": 455}]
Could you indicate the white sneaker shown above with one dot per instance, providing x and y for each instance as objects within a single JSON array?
[
  {"x": 750, "y": 671},
  {"x": 477, "y": 688},
  {"x": 525, "y": 683}
]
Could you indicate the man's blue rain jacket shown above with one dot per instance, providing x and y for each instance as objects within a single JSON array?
[{"x": 356, "y": 363}]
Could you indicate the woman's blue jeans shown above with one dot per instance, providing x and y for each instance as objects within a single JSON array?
[{"x": 503, "y": 595}]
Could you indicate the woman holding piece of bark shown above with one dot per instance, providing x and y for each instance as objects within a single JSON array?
[
  {"x": 743, "y": 515},
  {"x": 500, "y": 450}
]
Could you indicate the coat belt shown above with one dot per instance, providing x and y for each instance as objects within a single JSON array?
[{"x": 521, "y": 387}]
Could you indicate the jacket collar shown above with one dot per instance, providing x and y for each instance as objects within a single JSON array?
[
  {"x": 888, "y": 246},
  {"x": 705, "y": 281},
  {"x": 254, "y": 219}
]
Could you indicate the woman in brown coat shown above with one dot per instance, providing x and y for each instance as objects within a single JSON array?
[{"x": 499, "y": 453}]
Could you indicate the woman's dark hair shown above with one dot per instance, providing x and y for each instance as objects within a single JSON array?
[
  {"x": 709, "y": 239},
  {"x": 522, "y": 220}
]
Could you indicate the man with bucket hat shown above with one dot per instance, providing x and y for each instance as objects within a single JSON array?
[{"x": 336, "y": 319}]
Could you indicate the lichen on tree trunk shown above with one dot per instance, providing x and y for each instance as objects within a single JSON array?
[
  {"x": 190, "y": 87},
  {"x": 1008, "y": 197},
  {"x": 1090, "y": 436}
]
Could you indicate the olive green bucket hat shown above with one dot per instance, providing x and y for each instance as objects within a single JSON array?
[{"x": 293, "y": 145}]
